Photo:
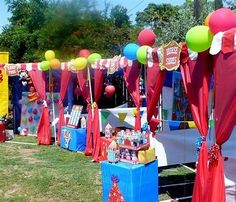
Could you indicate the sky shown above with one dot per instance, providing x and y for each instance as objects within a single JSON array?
[{"x": 132, "y": 6}]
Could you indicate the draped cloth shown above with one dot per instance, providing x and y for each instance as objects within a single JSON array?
[
  {"x": 98, "y": 86},
  {"x": 225, "y": 117},
  {"x": 65, "y": 78},
  {"x": 155, "y": 82},
  {"x": 43, "y": 133},
  {"x": 131, "y": 76},
  {"x": 84, "y": 87},
  {"x": 196, "y": 79}
]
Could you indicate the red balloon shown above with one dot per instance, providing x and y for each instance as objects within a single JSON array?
[
  {"x": 110, "y": 90},
  {"x": 221, "y": 20},
  {"x": 84, "y": 53},
  {"x": 77, "y": 91},
  {"x": 146, "y": 37}
]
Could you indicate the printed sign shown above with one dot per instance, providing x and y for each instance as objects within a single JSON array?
[
  {"x": 12, "y": 70},
  {"x": 171, "y": 54}
]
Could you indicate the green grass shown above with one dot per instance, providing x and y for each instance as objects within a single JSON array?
[
  {"x": 49, "y": 173},
  {"x": 46, "y": 173}
]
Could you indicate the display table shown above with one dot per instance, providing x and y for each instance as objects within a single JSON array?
[
  {"x": 132, "y": 182},
  {"x": 73, "y": 139},
  {"x": 104, "y": 142}
]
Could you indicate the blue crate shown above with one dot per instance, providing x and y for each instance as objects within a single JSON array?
[
  {"x": 136, "y": 182},
  {"x": 76, "y": 138}
]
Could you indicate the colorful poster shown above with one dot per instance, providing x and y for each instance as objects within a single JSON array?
[
  {"x": 31, "y": 112},
  {"x": 181, "y": 108},
  {"x": 4, "y": 97}
]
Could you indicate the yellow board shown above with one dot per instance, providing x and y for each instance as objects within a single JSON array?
[
  {"x": 4, "y": 57},
  {"x": 146, "y": 156}
]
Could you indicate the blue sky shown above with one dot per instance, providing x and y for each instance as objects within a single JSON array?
[{"x": 133, "y": 6}]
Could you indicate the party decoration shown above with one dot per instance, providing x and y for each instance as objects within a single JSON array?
[
  {"x": 84, "y": 53},
  {"x": 222, "y": 20},
  {"x": 32, "y": 96},
  {"x": 171, "y": 54},
  {"x": 55, "y": 63},
  {"x": 49, "y": 55},
  {"x": 142, "y": 54},
  {"x": 146, "y": 37},
  {"x": 80, "y": 63},
  {"x": 35, "y": 111},
  {"x": 199, "y": 38},
  {"x": 36, "y": 117},
  {"x": 45, "y": 65},
  {"x": 130, "y": 51},
  {"x": 32, "y": 129},
  {"x": 24, "y": 77},
  {"x": 115, "y": 193},
  {"x": 110, "y": 90},
  {"x": 30, "y": 110},
  {"x": 93, "y": 57},
  {"x": 30, "y": 119},
  {"x": 207, "y": 19}
]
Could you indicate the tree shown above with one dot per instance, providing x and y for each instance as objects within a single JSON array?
[
  {"x": 119, "y": 16},
  {"x": 218, "y": 4},
  {"x": 197, "y": 9},
  {"x": 155, "y": 15}
]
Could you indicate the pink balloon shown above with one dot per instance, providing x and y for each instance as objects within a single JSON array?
[
  {"x": 146, "y": 37},
  {"x": 221, "y": 20},
  {"x": 84, "y": 53},
  {"x": 110, "y": 90}
]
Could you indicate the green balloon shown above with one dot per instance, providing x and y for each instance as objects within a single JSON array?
[
  {"x": 199, "y": 38},
  {"x": 142, "y": 54},
  {"x": 45, "y": 65},
  {"x": 93, "y": 57}
]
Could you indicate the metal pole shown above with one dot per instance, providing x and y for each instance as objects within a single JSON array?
[
  {"x": 90, "y": 88},
  {"x": 53, "y": 105}
]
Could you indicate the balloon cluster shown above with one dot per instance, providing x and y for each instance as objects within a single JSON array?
[
  {"x": 84, "y": 58},
  {"x": 50, "y": 62},
  {"x": 199, "y": 38},
  {"x": 132, "y": 51}
]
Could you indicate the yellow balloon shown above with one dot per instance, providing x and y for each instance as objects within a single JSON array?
[
  {"x": 49, "y": 55},
  {"x": 55, "y": 63},
  {"x": 80, "y": 63}
]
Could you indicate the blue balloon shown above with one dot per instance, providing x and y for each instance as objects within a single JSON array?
[
  {"x": 19, "y": 129},
  {"x": 30, "y": 110},
  {"x": 130, "y": 51},
  {"x": 36, "y": 117}
]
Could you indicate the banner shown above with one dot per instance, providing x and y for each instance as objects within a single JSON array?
[
  {"x": 4, "y": 57},
  {"x": 104, "y": 116},
  {"x": 122, "y": 117}
]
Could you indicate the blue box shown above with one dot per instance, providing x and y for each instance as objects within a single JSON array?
[
  {"x": 137, "y": 183},
  {"x": 73, "y": 139}
]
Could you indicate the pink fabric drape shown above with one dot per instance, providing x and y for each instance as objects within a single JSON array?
[
  {"x": 98, "y": 86},
  {"x": 84, "y": 87},
  {"x": 43, "y": 133},
  {"x": 131, "y": 76},
  {"x": 65, "y": 78},
  {"x": 155, "y": 82},
  {"x": 225, "y": 113},
  {"x": 196, "y": 78}
]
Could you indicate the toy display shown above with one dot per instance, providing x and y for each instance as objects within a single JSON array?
[{"x": 130, "y": 144}]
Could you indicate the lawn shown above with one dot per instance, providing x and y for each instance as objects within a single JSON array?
[
  {"x": 49, "y": 173},
  {"x": 46, "y": 173}
]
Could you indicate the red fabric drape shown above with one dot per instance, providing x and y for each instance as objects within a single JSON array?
[
  {"x": 65, "y": 78},
  {"x": 98, "y": 86},
  {"x": 155, "y": 82},
  {"x": 196, "y": 78},
  {"x": 84, "y": 87},
  {"x": 131, "y": 76},
  {"x": 43, "y": 133},
  {"x": 225, "y": 116}
]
